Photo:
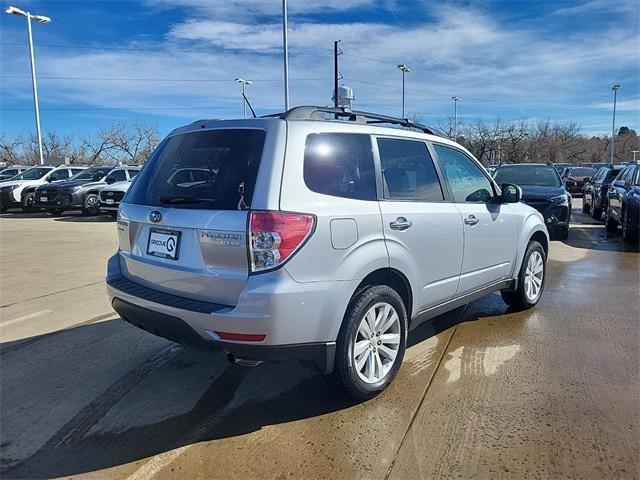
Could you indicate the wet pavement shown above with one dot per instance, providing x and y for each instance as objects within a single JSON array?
[{"x": 553, "y": 392}]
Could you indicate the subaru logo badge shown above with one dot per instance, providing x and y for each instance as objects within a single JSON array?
[{"x": 155, "y": 216}]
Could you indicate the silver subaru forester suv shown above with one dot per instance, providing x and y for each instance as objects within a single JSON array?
[{"x": 318, "y": 234}]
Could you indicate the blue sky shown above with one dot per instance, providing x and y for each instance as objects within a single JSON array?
[{"x": 168, "y": 62}]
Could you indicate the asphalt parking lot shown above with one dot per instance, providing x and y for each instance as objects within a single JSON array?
[{"x": 553, "y": 392}]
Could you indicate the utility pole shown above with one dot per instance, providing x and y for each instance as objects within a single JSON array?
[
  {"x": 455, "y": 117},
  {"x": 285, "y": 47},
  {"x": 336, "y": 73},
  {"x": 404, "y": 69},
  {"x": 36, "y": 107},
  {"x": 615, "y": 89},
  {"x": 634, "y": 155}
]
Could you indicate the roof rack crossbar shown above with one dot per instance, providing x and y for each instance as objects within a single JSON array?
[{"x": 318, "y": 113}]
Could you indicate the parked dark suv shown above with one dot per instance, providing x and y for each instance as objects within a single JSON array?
[
  {"x": 594, "y": 192},
  {"x": 543, "y": 190},
  {"x": 624, "y": 203},
  {"x": 574, "y": 178},
  {"x": 80, "y": 191}
]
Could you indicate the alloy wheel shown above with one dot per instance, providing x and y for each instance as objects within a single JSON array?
[
  {"x": 92, "y": 204},
  {"x": 534, "y": 276},
  {"x": 376, "y": 344}
]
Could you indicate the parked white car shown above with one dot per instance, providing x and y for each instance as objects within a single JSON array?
[{"x": 111, "y": 196}]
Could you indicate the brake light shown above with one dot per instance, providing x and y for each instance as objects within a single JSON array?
[{"x": 276, "y": 236}]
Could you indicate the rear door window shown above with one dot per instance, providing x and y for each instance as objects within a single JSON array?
[
  {"x": 408, "y": 172},
  {"x": 116, "y": 176},
  {"x": 210, "y": 169},
  {"x": 341, "y": 165}
]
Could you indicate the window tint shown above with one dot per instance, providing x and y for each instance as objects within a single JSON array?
[
  {"x": 62, "y": 174},
  {"x": 117, "y": 176},
  {"x": 76, "y": 170},
  {"x": 601, "y": 174},
  {"x": 340, "y": 164},
  {"x": 408, "y": 171},
  {"x": 467, "y": 181},
  {"x": 229, "y": 158},
  {"x": 133, "y": 173},
  {"x": 33, "y": 173},
  {"x": 534, "y": 175}
]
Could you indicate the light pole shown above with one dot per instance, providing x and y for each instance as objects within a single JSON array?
[
  {"x": 455, "y": 117},
  {"x": 634, "y": 155},
  {"x": 244, "y": 98},
  {"x": 404, "y": 69},
  {"x": 285, "y": 47},
  {"x": 615, "y": 89},
  {"x": 40, "y": 19}
]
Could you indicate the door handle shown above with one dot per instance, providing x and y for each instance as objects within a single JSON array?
[
  {"x": 471, "y": 220},
  {"x": 401, "y": 223}
]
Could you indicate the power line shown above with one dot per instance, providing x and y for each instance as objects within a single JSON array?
[
  {"x": 134, "y": 108},
  {"x": 128, "y": 79}
]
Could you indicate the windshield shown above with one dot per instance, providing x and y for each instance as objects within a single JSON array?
[
  {"x": 207, "y": 169},
  {"x": 533, "y": 175},
  {"x": 32, "y": 174},
  {"x": 93, "y": 174},
  {"x": 581, "y": 172}
]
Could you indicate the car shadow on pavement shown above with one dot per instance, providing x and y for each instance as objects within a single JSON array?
[
  {"x": 185, "y": 397},
  {"x": 81, "y": 218}
]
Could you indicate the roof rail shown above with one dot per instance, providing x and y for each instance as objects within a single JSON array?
[{"x": 366, "y": 118}]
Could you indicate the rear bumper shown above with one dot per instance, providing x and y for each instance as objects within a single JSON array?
[
  {"x": 300, "y": 320},
  {"x": 320, "y": 355}
]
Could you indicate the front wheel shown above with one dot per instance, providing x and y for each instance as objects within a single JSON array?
[
  {"x": 610, "y": 224},
  {"x": 28, "y": 202},
  {"x": 371, "y": 343},
  {"x": 530, "y": 279},
  {"x": 91, "y": 205},
  {"x": 585, "y": 205}
]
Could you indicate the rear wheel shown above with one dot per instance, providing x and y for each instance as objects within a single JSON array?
[
  {"x": 28, "y": 202},
  {"x": 585, "y": 206},
  {"x": 596, "y": 212},
  {"x": 371, "y": 343},
  {"x": 530, "y": 279},
  {"x": 91, "y": 204},
  {"x": 629, "y": 233}
]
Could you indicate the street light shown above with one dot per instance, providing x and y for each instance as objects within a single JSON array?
[
  {"x": 634, "y": 155},
  {"x": 244, "y": 98},
  {"x": 40, "y": 19},
  {"x": 404, "y": 69},
  {"x": 455, "y": 117},
  {"x": 285, "y": 48},
  {"x": 615, "y": 89}
]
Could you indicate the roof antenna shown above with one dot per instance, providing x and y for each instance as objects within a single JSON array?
[{"x": 253, "y": 112}]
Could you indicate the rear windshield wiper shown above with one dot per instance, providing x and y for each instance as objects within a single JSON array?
[{"x": 182, "y": 199}]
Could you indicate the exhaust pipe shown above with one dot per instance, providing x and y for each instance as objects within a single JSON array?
[{"x": 232, "y": 359}]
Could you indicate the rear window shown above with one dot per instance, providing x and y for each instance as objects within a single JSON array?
[
  {"x": 582, "y": 171},
  {"x": 211, "y": 169},
  {"x": 531, "y": 175},
  {"x": 341, "y": 165}
]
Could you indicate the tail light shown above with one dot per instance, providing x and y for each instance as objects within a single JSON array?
[{"x": 274, "y": 237}]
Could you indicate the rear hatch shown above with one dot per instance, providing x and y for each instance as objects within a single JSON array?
[{"x": 183, "y": 222}]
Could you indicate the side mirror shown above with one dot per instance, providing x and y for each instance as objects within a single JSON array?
[
  {"x": 511, "y": 193},
  {"x": 50, "y": 179},
  {"x": 587, "y": 179},
  {"x": 110, "y": 180}
]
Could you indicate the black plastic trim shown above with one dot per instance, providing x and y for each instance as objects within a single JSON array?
[{"x": 131, "y": 288}]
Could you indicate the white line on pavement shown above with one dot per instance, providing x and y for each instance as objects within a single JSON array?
[{"x": 25, "y": 317}]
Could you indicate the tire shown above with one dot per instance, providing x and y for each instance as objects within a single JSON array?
[
  {"x": 522, "y": 298},
  {"x": 596, "y": 212},
  {"x": 609, "y": 223},
  {"x": 91, "y": 204},
  {"x": 629, "y": 234},
  {"x": 346, "y": 374},
  {"x": 3, "y": 210},
  {"x": 28, "y": 202},
  {"x": 585, "y": 206}
]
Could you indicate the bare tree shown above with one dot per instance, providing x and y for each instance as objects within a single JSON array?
[
  {"x": 137, "y": 144},
  {"x": 11, "y": 149}
]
